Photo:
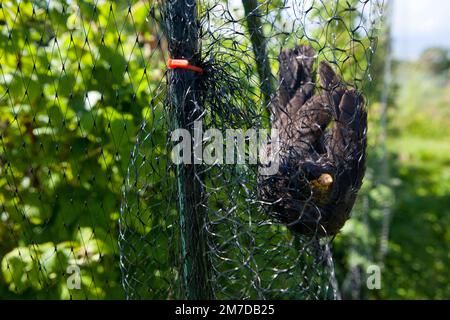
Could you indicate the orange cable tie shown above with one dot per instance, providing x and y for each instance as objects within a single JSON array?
[{"x": 182, "y": 64}]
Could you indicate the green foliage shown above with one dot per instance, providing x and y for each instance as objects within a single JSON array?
[
  {"x": 436, "y": 60},
  {"x": 420, "y": 238},
  {"x": 416, "y": 194},
  {"x": 345, "y": 39},
  {"x": 74, "y": 80}
]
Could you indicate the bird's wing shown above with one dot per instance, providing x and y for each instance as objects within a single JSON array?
[
  {"x": 296, "y": 76},
  {"x": 308, "y": 123},
  {"x": 347, "y": 144}
]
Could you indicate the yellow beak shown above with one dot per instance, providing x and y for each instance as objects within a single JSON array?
[{"x": 324, "y": 182}]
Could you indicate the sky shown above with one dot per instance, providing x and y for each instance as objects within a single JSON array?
[{"x": 419, "y": 24}]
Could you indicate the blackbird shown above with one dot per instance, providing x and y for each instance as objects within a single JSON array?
[{"x": 322, "y": 147}]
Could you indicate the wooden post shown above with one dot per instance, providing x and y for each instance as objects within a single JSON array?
[{"x": 183, "y": 43}]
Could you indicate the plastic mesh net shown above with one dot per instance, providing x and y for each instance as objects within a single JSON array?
[{"x": 88, "y": 182}]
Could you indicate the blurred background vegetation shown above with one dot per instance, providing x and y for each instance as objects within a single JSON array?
[
  {"x": 75, "y": 80},
  {"x": 409, "y": 180}
]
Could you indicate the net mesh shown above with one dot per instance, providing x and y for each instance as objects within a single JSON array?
[{"x": 88, "y": 184}]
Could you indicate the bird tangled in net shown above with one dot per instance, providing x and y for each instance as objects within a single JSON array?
[{"x": 321, "y": 147}]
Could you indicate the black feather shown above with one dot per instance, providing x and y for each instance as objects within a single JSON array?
[{"x": 322, "y": 133}]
